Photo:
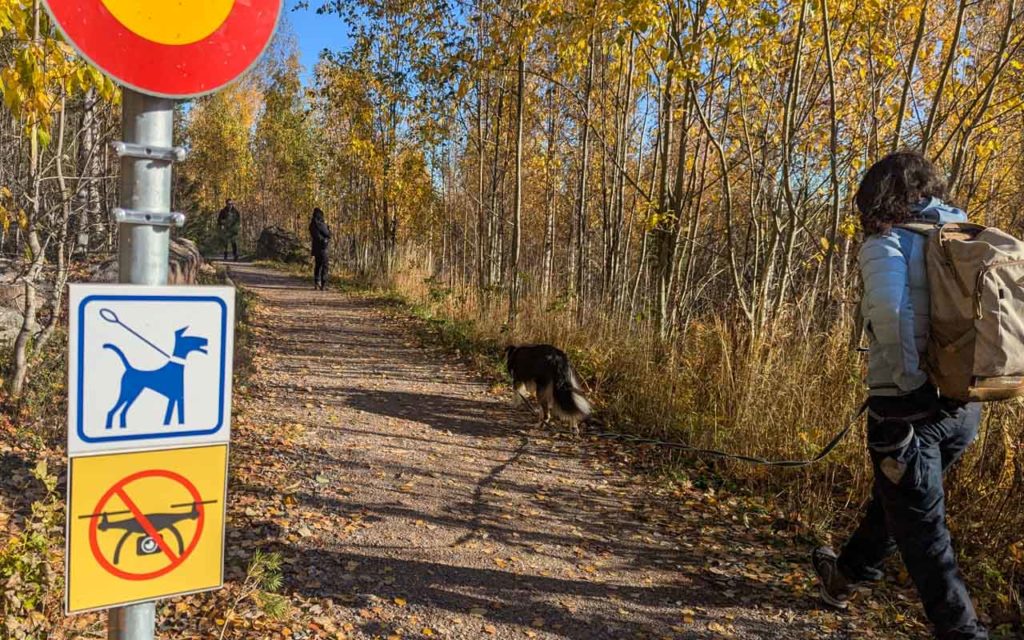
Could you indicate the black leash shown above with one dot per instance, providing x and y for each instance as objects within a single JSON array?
[{"x": 833, "y": 443}]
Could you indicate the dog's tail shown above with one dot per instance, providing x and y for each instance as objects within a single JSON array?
[
  {"x": 569, "y": 400},
  {"x": 115, "y": 349}
]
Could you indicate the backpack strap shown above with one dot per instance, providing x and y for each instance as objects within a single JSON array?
[{"x": 920, "y": 228}]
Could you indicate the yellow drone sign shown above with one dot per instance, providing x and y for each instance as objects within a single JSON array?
[{"x": 145, "y": 525}]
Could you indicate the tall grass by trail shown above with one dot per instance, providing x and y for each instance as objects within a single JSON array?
[{"x": 782, "y": 397}]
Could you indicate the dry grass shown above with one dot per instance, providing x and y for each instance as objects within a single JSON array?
[{"x": 782, "y": 397}]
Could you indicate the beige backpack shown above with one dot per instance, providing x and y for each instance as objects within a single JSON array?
[{"x": 976, "y": 284}]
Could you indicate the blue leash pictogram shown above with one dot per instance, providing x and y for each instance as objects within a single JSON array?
[{"x": 111, "y": 317}]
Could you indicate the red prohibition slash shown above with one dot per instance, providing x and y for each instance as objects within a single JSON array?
[{"x": 118, "y": 490}]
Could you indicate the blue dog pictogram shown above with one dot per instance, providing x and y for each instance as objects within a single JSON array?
[{"x": 168, "y": 380}]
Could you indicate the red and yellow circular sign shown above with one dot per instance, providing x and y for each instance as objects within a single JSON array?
[{"x": 170, "y": 48}]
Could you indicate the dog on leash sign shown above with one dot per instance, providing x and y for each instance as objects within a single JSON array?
[{"x": 148, "y": 367}]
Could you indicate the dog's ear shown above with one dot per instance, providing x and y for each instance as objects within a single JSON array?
[{"x": 181, "y": 331}]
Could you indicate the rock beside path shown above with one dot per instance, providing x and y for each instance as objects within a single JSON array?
[
  {"x": 10, "y": 325},
  {"x": 184, "y": 264},
  {"x": 279, "y": 245},
  {"x": 12, "y": 302}
]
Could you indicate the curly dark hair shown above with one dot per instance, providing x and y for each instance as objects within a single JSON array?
[{"x": 892, "y": 185}]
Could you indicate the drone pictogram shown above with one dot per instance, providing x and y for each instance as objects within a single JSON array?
[
  {"x": 146, "y": 544},
  {"x": 157, "y": 529}
]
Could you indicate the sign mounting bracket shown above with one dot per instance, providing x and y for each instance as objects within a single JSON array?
[
  {"x": 148, "y": 152},
  {"x": 154, "y": 218}
]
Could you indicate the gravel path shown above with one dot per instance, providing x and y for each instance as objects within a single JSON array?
[{"x": 411, "y": 498}]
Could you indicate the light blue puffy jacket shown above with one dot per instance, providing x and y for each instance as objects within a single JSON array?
[{"x": 895, "y": 304}]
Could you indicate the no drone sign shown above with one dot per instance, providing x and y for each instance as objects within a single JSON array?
[{"x": 172, "y": 49}]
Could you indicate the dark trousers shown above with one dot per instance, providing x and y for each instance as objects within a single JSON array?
[
  {"x": 231, "y": 243},
  {"x": 907, "y": 512},
  {"x": 320, "y": 269}
]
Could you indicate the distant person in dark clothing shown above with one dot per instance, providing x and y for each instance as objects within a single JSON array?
[
  {"x": 320, "y": 236},
  {"x": 229, "y": 223}
]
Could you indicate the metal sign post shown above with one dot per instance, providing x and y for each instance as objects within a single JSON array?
[
  {"x": 145, "y": 195},
  {"x": 159, "y": 51},
  {"x": 134, "y": 622},
  {"x": 147, "y": 154},
  {"x": 157, "y": 483}
]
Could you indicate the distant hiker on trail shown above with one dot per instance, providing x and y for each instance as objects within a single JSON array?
[
  {"x": 914, "y": 434},
  {"x": 320, "y": 236},
  {"x": 229, "y": 223}
]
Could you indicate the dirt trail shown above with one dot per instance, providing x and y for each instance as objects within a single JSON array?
[{"x": 410, "y": 499}]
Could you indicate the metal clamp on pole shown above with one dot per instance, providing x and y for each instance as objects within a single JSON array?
[
  {"x": 157, "y": 219},
  {"x": 148, "y": 152}
]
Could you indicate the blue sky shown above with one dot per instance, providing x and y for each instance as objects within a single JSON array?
[{"x": 315, "y": 33}]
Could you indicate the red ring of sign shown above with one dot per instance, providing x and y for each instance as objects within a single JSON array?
[
  {"x": 119, "y": 486},
  {"x": 173, "y": 71}
]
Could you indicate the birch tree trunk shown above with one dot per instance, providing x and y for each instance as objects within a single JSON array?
[
  {"x": 581, "y": 191},
  {"x": 36, "y": 255},
  {"x": 517, "y": 203}
]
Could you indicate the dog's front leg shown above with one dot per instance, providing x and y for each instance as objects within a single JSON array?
[
  {"x": 526, "y": 400},
  {"x": 170, "y": 411},
  {"x": 545, "y": 415}
]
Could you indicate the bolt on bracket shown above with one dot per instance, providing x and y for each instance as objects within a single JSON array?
[
  {"x": 154, "y": 218},
  {"x": 148, "y": 152}
]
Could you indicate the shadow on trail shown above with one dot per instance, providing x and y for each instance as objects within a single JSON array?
[
  {"x": 479, "y": 507},
  {"x": 444, "y": 413},
  {"x": 260, "y": 278},
  {"x": 505, "y": 597}
]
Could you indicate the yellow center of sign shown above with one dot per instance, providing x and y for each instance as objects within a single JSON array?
[{"x": 172, "y": 22}]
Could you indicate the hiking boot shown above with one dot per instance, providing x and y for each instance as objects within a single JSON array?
[{"x": 835, "y": 588}]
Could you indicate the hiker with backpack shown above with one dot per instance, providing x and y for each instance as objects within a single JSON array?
[{"x": 926, "y": 279}]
